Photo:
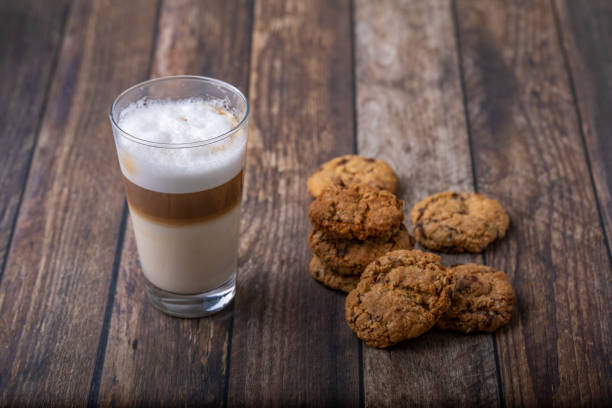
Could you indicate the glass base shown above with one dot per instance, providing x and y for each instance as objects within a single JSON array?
[{"x": 192, "y": 306}]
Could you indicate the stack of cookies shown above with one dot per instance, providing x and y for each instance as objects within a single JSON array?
[
  {"x": 361, "y": 247},
  {"x": 356, "y": 219}
]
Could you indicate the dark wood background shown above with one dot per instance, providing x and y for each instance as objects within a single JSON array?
[{"x": 512, "y": 99}]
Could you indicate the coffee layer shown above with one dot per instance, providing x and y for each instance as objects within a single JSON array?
[{"x": 187, "y": 208}]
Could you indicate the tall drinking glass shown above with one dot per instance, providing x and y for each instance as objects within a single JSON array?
[{"x": 181, "y": 143}]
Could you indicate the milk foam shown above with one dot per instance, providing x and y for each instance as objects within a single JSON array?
[{"x": 184, "y": 169}]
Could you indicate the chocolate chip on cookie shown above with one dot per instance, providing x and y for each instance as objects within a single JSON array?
[
  {"x": 352, "y": 169},
  {"x": 332, "y": 279},
  {"x": 357, "y": 211},
  {"x": 351, "y": 256},
  {"x": 482, "y": 301},
  {"x": 401, "y": 295},
  {"x": 458, "y": 222}
]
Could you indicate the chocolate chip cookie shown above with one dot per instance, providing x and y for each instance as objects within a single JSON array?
[
  {"x": 458, "y": 222},
  {"x": 401, "y": 295},
  {"x": 352, "y": 169},
  {"x": 351, "y": 256},
  {"x": 482, "y": 301},
  {"x": 358, "y": 211},
  {"x": 331, "y": 279}
]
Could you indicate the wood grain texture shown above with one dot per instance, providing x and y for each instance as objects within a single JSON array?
[
  {"x": 528, "y": 154},
  {"x": 55, "y": 284},
  {"x": 410, "y": 113},
  {"x": 587, "y": 40},
  {"x": 290, "y": 345},
  {"x": 209, "y": 38},
  {"x": 30, "y": 38},
  {"x": 152, "y": 358}
]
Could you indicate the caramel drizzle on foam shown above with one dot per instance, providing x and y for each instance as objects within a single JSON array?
[{"x": 184, "y": 209}]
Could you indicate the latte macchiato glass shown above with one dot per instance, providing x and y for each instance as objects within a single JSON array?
[{"x": 181, "y": 143}]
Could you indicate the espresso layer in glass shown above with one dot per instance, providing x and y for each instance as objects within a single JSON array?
[{"x": 187, "y": 208}]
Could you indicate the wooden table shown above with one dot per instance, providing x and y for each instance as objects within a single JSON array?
[{"x": 512, "y": 99}]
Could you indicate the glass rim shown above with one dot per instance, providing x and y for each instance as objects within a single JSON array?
[{"x": 196, "y": 143}]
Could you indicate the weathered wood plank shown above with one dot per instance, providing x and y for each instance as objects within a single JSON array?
[
  {"x": 151, "y": 358},
  {"x": 528, "y": 153},
  {"x": 30, "y": 39},
  {"x": 290, "y": 345},
  {"x": 55, "y": 285},
  {"x": 410, "y": 112},
  {"x": 587, "y": 40}
]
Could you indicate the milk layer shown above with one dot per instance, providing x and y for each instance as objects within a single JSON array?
[{"x": 188, "y": 259}]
